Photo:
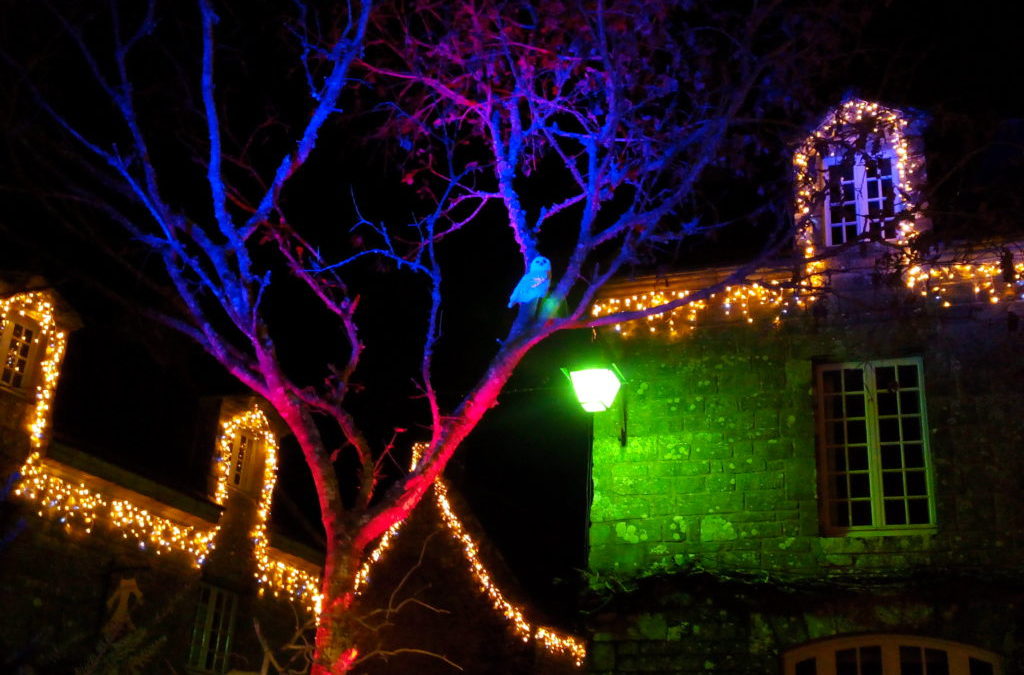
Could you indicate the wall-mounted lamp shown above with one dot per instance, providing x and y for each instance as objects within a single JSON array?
[{"x": 595, "y": 388}]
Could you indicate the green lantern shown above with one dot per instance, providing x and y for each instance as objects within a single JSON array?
[{"x": 596, "y": 388}]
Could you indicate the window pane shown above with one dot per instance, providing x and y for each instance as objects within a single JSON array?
[
  {"x": 858, "y": 457},
  {"x": 891, "y": 458},
  {"x": 911, "y": 428},
  {"x": 916, "y": 483},
  {"x": 908, "y": 376},
  {"x": 856, "y": 431},
  {"x": 979, "y": 667},
  {"x": 853, "y": 379},
  {"x": 807, "y": 667},
  {"x": 889, "y": 430},
  {"x": 846, "y": 662},
  {"x": 918, "y": 509},
  {"x": 885, "y": 378},
  {"x": 831, "y": 380},
  {"x": 895, "y": 512},
  {"x": 870, "y": 661},
  {"x": 913, "y": 455},
  {"x": 860, "y": 513},
  {"x": 910, "y": 661},
  {"x": 855, "y": 405},
  {"x": 859, "y": 486},
  {"x": 892, "y": 483},
  {"x": 909, "y": 403},
  {"x": 839, "y": 459},
  {"x": 834, "y": 407},
  {"x": 887, "y": 403},
  {"x": 936, "y": 661}
]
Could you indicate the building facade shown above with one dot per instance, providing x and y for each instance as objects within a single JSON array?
[
  {"x": 816, "y": 471},
  {"x": 107, "y": 571}
]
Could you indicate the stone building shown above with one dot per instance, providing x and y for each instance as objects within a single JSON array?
[
  {"x": 817, "y": 471},
  {"x": 103, "y": 568},
  {"x": 106, "y": 570}
]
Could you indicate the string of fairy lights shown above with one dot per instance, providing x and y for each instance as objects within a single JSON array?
[
  {"x": 79, "y": 507},
  {"x": 271, "y": 572},
  {"x": 548, "y": 638}
]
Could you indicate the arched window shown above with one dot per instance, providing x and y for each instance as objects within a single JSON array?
[
  {"x": 244, "y": 449},
  {"x": 858, "y": 176},
  {"x": 860, "y": 196},
  {"x": 884, "y": 654},
  {"x": 19, "y": 348}
]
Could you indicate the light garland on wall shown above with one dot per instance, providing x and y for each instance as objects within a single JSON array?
[
  {"x": 549, "y": 639},
  {"x": 39, "y": 306},
  {"x": 80, "y": 508},
  {"x": 887, "y": 123},
  {"x": 275, "y": 574},
  {"x": 742, "y": 302},
  {"x": 937, "y": 282}
]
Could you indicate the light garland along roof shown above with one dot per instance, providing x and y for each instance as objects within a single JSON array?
[
  {"x": 773, "y": 295},
  {"x": 950, "y": 281},
  {"x": 81, "y": 505},
  {"x": 80, "y": 501},
  {"x": 551, "y": 640}
]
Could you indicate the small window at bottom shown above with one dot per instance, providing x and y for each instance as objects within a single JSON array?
[
  {"x": 806, "y": 667},
  {"x": 213, "y": 630},
  {"x": 979, "y": 667}
]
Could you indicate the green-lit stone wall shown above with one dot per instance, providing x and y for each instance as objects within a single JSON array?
[
  {"x": 719, "y": 468},
  {"x": 718, "y": 481}
]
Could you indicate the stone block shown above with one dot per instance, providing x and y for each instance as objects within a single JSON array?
[{"x": 765, "y": 480}]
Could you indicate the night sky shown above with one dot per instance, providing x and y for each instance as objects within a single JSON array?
[{"x": 130, "y": 389}]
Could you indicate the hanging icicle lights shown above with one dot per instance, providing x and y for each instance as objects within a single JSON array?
[{"x": 551, "y": 640}]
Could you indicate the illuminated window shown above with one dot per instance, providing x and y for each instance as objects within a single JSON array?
[
  {"x": 889, "y": 655},
  {"x": 243, "y": 457},
  {"x": 19, "y": 340},
  {"x": 860, "y": 197},
  {"x": 873, "y": 441},
  {"x": 213, "y": 630}
]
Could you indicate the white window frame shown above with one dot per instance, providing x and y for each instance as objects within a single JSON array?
[
  {"x": 863, "y": 220},
  {"x": 244, "y": 473},
  {"x": 7, "y": 330},
  {"x": 959, "y": 655},
  {"x": 830, "y": 475},
  {"x": 213, "y": 630}
]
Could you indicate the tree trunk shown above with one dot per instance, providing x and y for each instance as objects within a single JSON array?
[{"x": 335, "y": 651}]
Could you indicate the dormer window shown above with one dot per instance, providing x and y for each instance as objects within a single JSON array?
[
  {"x": 858, "y": 176},
  {"x": 19, "y": 342},
  {"x": 860, "y": 198},
  {"x": 240, "y": 464}
]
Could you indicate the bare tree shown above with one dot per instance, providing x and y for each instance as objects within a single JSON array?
[{"x": 580, "y": 130}]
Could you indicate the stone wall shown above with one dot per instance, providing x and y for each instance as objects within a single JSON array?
[{"x": 719, "y": 474}]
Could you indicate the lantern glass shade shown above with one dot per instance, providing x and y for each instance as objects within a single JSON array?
[{"x": 595, "y": 387}]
